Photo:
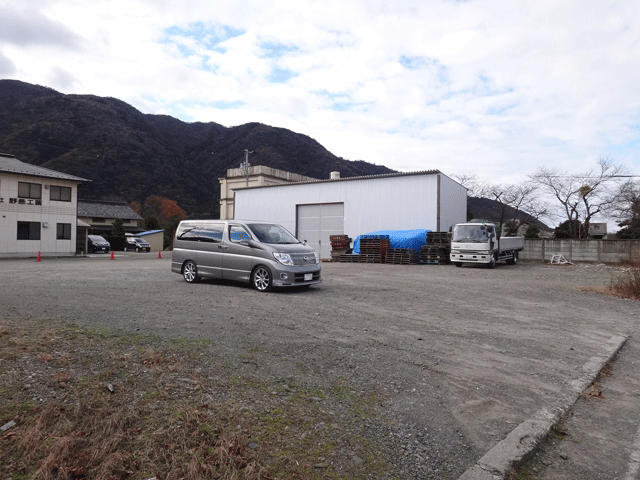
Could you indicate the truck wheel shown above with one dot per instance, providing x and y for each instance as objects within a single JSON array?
[
  {"x": 492, "y": 263},
  {"x": 457, "y": 264},
  {"x": 513, "y": 260}
]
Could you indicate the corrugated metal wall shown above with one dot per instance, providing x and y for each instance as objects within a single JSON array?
[{"x": 386, "y": 203}]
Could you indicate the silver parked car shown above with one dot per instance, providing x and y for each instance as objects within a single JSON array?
[{"x": 264, "y": 254}]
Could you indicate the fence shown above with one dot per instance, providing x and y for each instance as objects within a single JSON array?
[{"x": 605, "y": 251}]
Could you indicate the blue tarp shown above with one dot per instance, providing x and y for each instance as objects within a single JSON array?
[{"x": 397, "y": 238}]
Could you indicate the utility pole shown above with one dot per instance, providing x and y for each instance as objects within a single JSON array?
[{"x": 245, "y": 165}]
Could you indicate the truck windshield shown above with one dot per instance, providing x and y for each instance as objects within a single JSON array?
[
  {"x": 470, "y": 234},
  {"x": 272, "y": 233}
]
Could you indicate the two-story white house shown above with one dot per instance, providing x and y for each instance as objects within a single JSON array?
[{"x": 38, "y": 210}]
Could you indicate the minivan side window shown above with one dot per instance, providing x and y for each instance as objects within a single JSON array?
[
  {"x": 238, "y": 234},
  {"x": 187, "y": 231},
  {"x": 211, "y": 232}
]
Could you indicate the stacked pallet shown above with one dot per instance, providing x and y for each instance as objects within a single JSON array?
[
  {"x": 400, "y": 256},
  {"x": 439, "y": 238},
  {"x": 437, "y": 249},
  {"x": 340, "y": 244},
  {"x": 372, "y": 250},
  {"x": 375, "y": 245},
  {"x": 359, "y": 258}
]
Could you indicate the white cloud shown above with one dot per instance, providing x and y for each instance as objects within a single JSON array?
[{"x": 493, "y": 87}]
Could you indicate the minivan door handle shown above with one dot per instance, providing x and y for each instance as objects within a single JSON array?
[{"x": 223, "y": 247}]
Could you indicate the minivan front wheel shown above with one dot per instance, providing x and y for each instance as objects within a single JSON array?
[
  {"x": 261, "y": 279},
  {"x": 190, "y": 272}
]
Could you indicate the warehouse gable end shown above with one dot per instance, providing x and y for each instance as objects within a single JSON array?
[{"x": 396, "y": 201}]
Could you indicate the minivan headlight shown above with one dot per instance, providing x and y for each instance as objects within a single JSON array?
[{"x": 283, "y": 258}]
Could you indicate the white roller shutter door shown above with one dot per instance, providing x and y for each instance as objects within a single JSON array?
[{"x": 315, "y": 223}]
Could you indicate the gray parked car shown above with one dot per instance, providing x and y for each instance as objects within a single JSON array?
[{"x": 264, "y": 254}]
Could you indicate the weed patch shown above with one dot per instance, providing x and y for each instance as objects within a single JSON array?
[
  {"x": 627, "y": 283},
  {"x": 104, "y": 406}
]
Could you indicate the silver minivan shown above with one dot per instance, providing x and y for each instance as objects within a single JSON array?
[{"x": 262, "y": 253}]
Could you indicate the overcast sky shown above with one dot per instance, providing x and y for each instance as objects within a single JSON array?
[{"x": 496, "y": 87}]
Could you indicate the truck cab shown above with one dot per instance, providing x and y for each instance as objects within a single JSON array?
[{"x": 479, "y": 242}]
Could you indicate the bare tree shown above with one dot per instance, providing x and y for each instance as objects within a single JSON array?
[
  {"x": 581, "y": 196},
  {"x": 510, "y": 198},
  {"x": 514, "y": 198},
  {"x": 470, "y": 181},
  {"x": 627, "y": 209}
]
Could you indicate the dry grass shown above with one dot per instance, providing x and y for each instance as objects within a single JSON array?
[
  {"x": 624, "y": 284},
  {"x": 109, "y": 438},
  {"x": 627, "y": 283},
  {"x": 143, "y": 429}
]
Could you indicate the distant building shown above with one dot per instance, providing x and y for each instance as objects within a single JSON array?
[
  {"x": 258, "y": 176},
  {"x": 155, "y": 239},
  {"x": 38, "y": 210},
  {"x": 598, "y": 230},
  {"x": 101, "y": 215}
]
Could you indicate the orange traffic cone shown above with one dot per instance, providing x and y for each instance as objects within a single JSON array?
[
  {"x": 159, "y": 254},
  {"x": 38, "y": 257},
  {"x": 112, "y": 257}
]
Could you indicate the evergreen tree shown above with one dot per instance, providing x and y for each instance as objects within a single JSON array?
[{"x": 117, "y": 228}]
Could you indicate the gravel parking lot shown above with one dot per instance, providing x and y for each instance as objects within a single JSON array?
[{"x": 458, "y": 356}]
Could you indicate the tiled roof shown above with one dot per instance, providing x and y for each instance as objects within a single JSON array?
[
  {"x": 106, "y": 210},
  {"x": 10, "y": 164}
]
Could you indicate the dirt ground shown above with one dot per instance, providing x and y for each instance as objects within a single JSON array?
[{"x": 457, "y": 356}]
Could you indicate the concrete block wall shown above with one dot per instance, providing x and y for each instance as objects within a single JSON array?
[{"x": 604, "y": 251}]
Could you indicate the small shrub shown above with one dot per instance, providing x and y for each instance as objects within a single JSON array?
[{"x": 627, "y": 283}]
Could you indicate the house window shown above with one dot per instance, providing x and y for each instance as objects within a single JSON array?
[
  {"x": 29, "y": 190},
  {"x": 28, "y": 230},
  {"x": 64, "y": 231},
  {"x": 61, "y": 194}
]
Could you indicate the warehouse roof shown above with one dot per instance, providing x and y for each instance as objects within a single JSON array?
[
  {"x": 10, "y": 164},
  {"x": 349, "y": 179}
]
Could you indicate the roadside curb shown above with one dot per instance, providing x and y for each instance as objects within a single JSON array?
[{"x": 523, "y": 441}]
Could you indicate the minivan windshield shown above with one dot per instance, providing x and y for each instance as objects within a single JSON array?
[
  {"x": 97, "y": 238},
  {"x": 272, "y": 233}
]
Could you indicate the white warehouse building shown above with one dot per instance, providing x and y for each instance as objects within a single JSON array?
[{"x": 356, "y": 206}]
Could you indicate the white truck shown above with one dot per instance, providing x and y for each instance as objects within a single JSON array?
[{"x": 478, "y": 243}]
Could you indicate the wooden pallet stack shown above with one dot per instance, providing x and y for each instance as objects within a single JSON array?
[
  {"x": 372, "y": 250},
  {"x": 374, "y": 245},
  {"x": 340, "y": 244},
  {"x": 437, "y": 249},
  {"x": 401, "y": 256}
]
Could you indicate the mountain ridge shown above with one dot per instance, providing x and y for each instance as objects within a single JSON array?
[{"x": 129, "y": 155}]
